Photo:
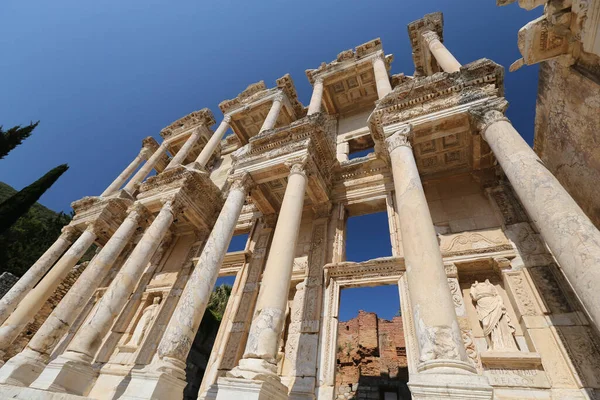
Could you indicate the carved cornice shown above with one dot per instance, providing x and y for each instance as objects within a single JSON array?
[
  {"x": 399, "y": 138},
  {"x": 422, "y": 96},
  {"x": 201, "y": 117},
  {"x": 106, "y": 214},
  {"x": 348, "y": 57},
  {"x": 378, "y": 267},
  {"x": 198, "y": 195},
  {"x": 286, "y": 84}
]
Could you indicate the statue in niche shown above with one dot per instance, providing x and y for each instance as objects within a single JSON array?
[
  {"x": 143, "y": 324},
  {"x": 493, "y": 317}
]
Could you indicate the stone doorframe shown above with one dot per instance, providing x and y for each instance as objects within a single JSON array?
[{"x": 343, "y": 275}]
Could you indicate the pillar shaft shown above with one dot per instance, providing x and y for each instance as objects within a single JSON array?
[
  {"x": 440, "y": 341},
  {"x": 316, "y": 98},
  {"x": 570, "y": 235},
  {"x": 33, "y": 275},
  {"x": 444, "y": 58},
  {"x": 184, "y": 323},
  {"x": 88, "y": 339},
  {"x": 179, "y": 158},
  {"x": 269, "y": 316},
  {"x": 123, "y": 176},
  {"x": 214, "y": 141},
  {"x": 382, "y": 80},
  {"x": 273, "y": 114},
  {"x": 145, "y": 170},
  {"x": 26, "y": 366},
  {"x": 38, "y": 296}
]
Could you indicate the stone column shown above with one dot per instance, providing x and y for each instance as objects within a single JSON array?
[
  {"x": 35, "y": 299},
  {"x": 179, "y": 158},
  {"x": 168, "y": 368},
  {"x": 122, "y": 178},
  {"x": 440, "y": 342},
  {"x": 442, "y": 355},
  {"x": 570, "y": 235},
  {"x": 214, "y": 141},
  {"x": 33, "y": 275},
  {"x": 260, "y": 355},
  {"x": 316, "y": 98},
  {"x": 382, "y": 80},
  {"x": 143, "y": 172},
  {"x": 72, "y": 372},
  {"x": 25, "y": 367},
  {"x": 273, "y": 114},
  {"x": 444, "y": 58}
]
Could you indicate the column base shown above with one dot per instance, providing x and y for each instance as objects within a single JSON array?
[
  {"x": 430, "y": 386},
  {"x": 164, "y": 379},
  {"x": 69, "y": 373},
  {"x": 25, "y": 393},
  {"x": 246, "y": 389},
  {"x": 23, "y": 369},
  {"x": 254, "y": 369}
]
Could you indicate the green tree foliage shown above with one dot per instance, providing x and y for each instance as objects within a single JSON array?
[
  {"x": 13, "y": 137},
  {"x": 218, "y": 301},
  {"x": 24, "y": 242},
  {"x": 19, "y": 203}
]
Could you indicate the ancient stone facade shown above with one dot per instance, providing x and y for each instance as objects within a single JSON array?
[
  {"x": 371, "y": 359},
  {"x": 565, "y": 41},
  {"x": 496, "y": 264}
]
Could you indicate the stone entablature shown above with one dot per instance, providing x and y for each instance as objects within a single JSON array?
[
  {"x": 425, "y": 62},
  {"x": 350, "y": 83},
  {"x": 250, "y": 109},
  {"x": 437, "y": 107},
  {"x": 105, "y": 214}
]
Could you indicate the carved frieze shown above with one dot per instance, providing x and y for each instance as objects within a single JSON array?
[
  {"x": 106, "y": 214},
  {"x": 201, "y": 117}
]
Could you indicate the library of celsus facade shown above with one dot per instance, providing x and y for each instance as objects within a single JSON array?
[{"x": 496, "y": 265}]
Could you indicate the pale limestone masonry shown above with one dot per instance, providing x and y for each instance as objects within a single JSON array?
[{"x": 470, "y": 208}]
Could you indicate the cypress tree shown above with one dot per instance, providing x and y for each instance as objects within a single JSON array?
[
  {"x": 13, "y": 137},
  {"x": 19, "y": 203}
]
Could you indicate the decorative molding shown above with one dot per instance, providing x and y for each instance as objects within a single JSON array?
[
  {"x": 488, "y": 113},
  {"x": 202, "y": 117}
]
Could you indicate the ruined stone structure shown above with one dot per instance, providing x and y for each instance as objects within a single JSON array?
[
  {"x": 565, "y": 41},
  {"x": 496, "y": 265},
  {"x": 371, "y": 359}
]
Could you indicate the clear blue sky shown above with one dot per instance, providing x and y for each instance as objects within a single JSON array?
[{"x": 100, "y": 76}]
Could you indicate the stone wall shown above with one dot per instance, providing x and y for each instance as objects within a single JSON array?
[
  {"x": 566, "y": 130},
  {"x": 371, "y": 358}
]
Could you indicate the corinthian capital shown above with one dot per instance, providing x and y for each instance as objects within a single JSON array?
[
  {"x": 227, "y": 118},
  {"x": 429, "y": 36},
  {"x": 138, "y": 212},
  {"x": 278, "y": 97},
  {"x": 297, "y": 165},
  {"x": 69, "y": 233},
  {"x": 488, "y": 113},
  {"x": 241, "y": 181},
  {"x": 400, "y": 138}
]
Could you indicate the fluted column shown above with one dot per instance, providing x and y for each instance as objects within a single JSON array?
[
  {"x": 444, "y": 58},
  {"x": 146, "y": 169},
  {"x": 260, "y": 355},
  {"x": 67, "y": 372},
  {"x": 273, "y": 114},
  {"x": 38, "y": 296},
  {"x": 25, "y": 367},
  {"x": 214, "y": 141},
  {"x": 316, "y": 98},
  {"x": 569, "y": 233},
  {"x": 123, "y": 176},
  {"x": 440, "y": 341},
  {"x": 179, "y": 158},
  {"x": 33, "y": 275},
  {"x": 382, "y": 80}
]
